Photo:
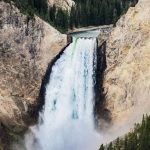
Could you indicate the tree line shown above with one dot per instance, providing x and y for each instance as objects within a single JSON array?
[
  {"x": 138, "y": 139},
  {"x": 83, "y": 13},
  {"x": 98, "y": 12}
]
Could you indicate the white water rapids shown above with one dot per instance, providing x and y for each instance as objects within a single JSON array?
[{"x": 67, "y": 120}]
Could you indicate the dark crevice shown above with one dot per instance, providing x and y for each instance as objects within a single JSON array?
[{"x": 100, "y": 110}]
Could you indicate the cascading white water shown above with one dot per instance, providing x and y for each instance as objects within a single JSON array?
[{"x": 67, "y": 118}]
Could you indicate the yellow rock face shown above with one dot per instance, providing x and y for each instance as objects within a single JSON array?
[
  {"x": 127, "y": 78},
  {"x": 64, "y": 4}
]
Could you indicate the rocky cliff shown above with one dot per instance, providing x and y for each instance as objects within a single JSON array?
[
  {"x": 127, "y": 77},
  {"x": 64, "y": 4},
  {"x": 26, "y": 48}
]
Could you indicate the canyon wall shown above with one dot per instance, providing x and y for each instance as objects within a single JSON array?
[
  {"x": 127, "y": 77},
  {"x": 26, "y": 48},
  {"x": 28, "y": 45},
  {"x": 64, "y": 4}
]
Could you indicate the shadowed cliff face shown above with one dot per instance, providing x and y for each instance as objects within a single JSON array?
[
  {"x": 127, "y": 77},
  {"x": 26, "y": 48},
  {"x": 101, "y": 113}
]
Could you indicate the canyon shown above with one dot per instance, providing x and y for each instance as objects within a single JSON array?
[{"x": 27, "y": 46}]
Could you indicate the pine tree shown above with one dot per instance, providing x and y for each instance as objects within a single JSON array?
[
  {"x": 102, "y": 147},
  {"x": 52, "y": 13},
  {"x": 138, "y": 139},
  {"x": 117, "y": 144},
  {"x": 110, "y": 146}
]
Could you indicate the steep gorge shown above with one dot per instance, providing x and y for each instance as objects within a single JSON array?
[{"x": 27, "y": 46}]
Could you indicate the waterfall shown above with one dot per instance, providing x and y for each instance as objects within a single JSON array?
[{"x": 67, "y": 120}]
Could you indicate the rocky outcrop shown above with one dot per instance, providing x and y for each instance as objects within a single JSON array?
[
  {"x": 127, "y": 77},
  {"x": 26, "y": 48},
  {"x": 104, "y": 34},
  {"x": 64, "y": 4}
]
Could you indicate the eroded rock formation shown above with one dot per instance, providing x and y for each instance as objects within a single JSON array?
[
  {"x": 26, "y": 48},
  {"x": 64, "y": 4},
  {"x": 127, "y": 77}
]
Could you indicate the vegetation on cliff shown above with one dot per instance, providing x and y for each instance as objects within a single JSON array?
[
  {"x": 138, "y": 139},
  {"x": 83, "y": 13}
]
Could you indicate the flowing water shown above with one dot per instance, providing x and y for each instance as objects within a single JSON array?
[{"x": 67, "y": 120}]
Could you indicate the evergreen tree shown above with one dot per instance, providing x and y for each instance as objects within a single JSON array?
[
  {"x": 110, "y": 146},
  {"x": 102, "y": 147},
  {"x": 52, "y": 13},
  {"x": 138, "y": 139}
]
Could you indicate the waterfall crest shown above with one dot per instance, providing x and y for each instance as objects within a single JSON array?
[{"x": 67, "y": 120}]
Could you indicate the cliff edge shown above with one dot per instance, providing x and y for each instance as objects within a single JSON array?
[
  {"x": 127, "y": 77},
  {"x": 63, "y": 4}
]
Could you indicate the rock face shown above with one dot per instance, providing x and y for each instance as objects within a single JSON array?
[
  {"x": 26, "y": 48},
  {"x": 64, "y": 4},
  {"x": 127, "y": 77},
  {"x": 104, "y": 34}
]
